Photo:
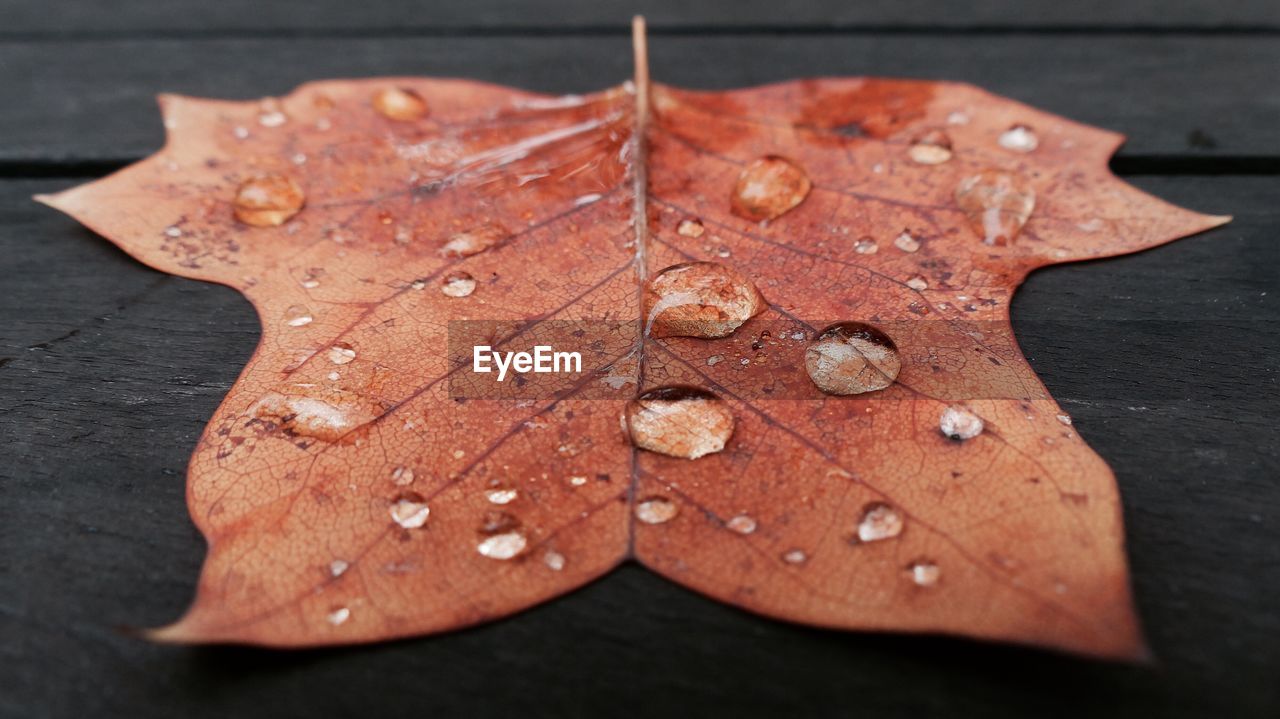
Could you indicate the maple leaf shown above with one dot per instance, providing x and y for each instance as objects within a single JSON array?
[{"x": 825, "y": 417}]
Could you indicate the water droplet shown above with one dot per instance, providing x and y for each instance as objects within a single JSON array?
[
  {"x": 458, "y": 284},
  {"x": 402, "y": 476},
  {"x": 997, "y": 204},
  {"x": 339, "y": 616},
  {"x": 297, "y": 316},
  {"x": 931, "y": 148},
  {"x": 473, "y": 242},
  {"x": 338, "y": 567},
  {"x": 410, "y": 510},
  {"x": 1019, "y": 138},
  {"x": 502, "y": 546},
  {"x": 1065, "y": 419},
  {"x": 554, "y": 560},
  {"x": 328, "y": 414},
  {"x": 956, "y": 117},
  {"x": 959, "y": 423},
  {"x": 795, "y": 556},
  {"x": 173, "y": 231},
  {"x": 924, "y": 573},
  {"x": 399, "y": 104},
  {"x": 866, "y": 246},
  {"x": 679, "y": 422},
  {"x": 742, "y": 524},
  {"x": 852, "y": 358},
  {"x": 577, "y": 481},
  {"x": 699, "y": 299},
  {"x": 656, "y": 510},
  {"x": 906, "y": 242},
  {"x": 879, "y": 521},
  {"x": 768, "y": 188},
  {"x": 268, "y": 201},
  {"x": 342, "y": 353},
  {"x": 917, "y": 282},
  {"x": 690, "y": 228},
  {"x": 501, "y": 495}
]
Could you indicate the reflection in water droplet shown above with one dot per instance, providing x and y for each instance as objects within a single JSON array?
[
  {"x": 742, "y": 524},
  {"x": 906, "y": 242},
  {"x": 339, "y": 616},
  {"x": 298, "y": 316},
  {"x": 866, "y": 246},
  {"x": 852, "y": 358},
  {"x": 917, "y": 282},
  {"x": 342, "y": 353},
  {"x": 997, "y": 204},
  {"x": 931, "y": 148},
  {"x": 768, "y": 188},
  {"x": 458, "y": 284},
  {"x": 879, "y": 521},
  {"x": 399, "y": 104},
  {"x": 554, "y": 560},
  {"x": 656, "y": 510},
  {"x": 959, "y": 423},
  {"x": 795, "y": 556},
  {"x": 473, "y": 242},
  {"x": 1019, "y": 138},
  {"x": 678, "y": 422},
  {"x": 338, "y": 567},
  {"x": 699, "y": 299},
  {"x": 502, "y": 546},
  {"x": 501, "y": 495},
  {"x": 402, "y": 476},
  {"x": 268, "y": 201},
  {"x": 690, "y": 228},
  {"x": 924, "y": 573},
  {"x": 410, "y": 510}
]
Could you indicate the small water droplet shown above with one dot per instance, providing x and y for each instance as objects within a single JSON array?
[
  {"x": 402, "y": 476},
  {"x": 338, "y": 567},
  {"x": 690, "y": 228},
  {"x": 679, "y": 422},
  {"x": 410, "y": 510},
  {"x": 931, "y": 148},
  {"x": 879, "y": 521},
  {"x": 768, "y": 188},
  {"x": 924, "y": 573},
  {"x": 959, "y": 423},
  {"x": 1019, "y": 138},
  {"x": 866, "y": 246},
  {"x": 957, "y": 117},
  {"x": 173, "y": 231},
  {"x": 742, "y": 524},
  {"x": 501, "y": 495},
  {"x": 298, "y": 316},
  {"x": 852, "y": 358},
  {"x": 399, "y": 104},
  {"x": 918, "y": 282},
  {"x": 1065, "y": 419},
  {"x": 339, "y": 616},
  {"x": 906, "y": 242},
  {"x": 502, "y": 546},
  {"x": 656, "y": 510},
  {"x": 997, "y": 204},
  {"x": 475, "y": 241},
  {"x": 458, "y": 284},
  {"x": 699, "y": 299},
  {"x": 554, "y": 560},
  {"x": 341, "y": 353},
  {"x": 795, "y": 556},
  {"x": 240, "y": 133},
  {"x": 577, "y": 480},
  {"x": 268, "y": 200}
]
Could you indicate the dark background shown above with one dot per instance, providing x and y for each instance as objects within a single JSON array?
[{"x": 1167, "y": 359}]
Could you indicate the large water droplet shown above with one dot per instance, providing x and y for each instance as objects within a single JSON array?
[
  {"x": 768, "y": 188},
  {"x": 656, "y": 510},
  {"x": 458, "y": 284},
  {"x": 327, "y": 415},
  {"x": 268, "y": 200},
  {"x": 1019, "y": 138},
  {"x": 879, "y": 521},
  {"x": 997, "y": 204},
  {"x": 931, "y": 148},
  {"x": 699, "y": 299},
  {"x": 502, "y": 546},
  {"x": 679, "y": 422},
  {"x": 410, "y": 510},
  {"x": 852, "y": 358},
  {"x": 399, "y": 104},
  {"x": 959, "y": 423}
]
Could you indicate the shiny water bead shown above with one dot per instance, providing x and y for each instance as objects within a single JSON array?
[
  {"x": 458, "y": 284},
  {"x": 905, "y": 242},
  {"x": 1019, "y": 138},
  {"x": 474, "y": 241},
  {"x": 268, "y": 200},
  {"x": 931, "y": 148},
  {"x": 852, "y": 358},
  {"x": 656, "y": 510},
  {"x": 959, "y": 423},
  {"x": 699, "y": 299},
  {"x": 924, "y": 573},
  {"x": 880, "y": 521},
  {"x": 502, "y": 546},
  {"x": 399, "y": 104},
  {"x": 410, "y": 510},
  {"x": 342, "y": 353},
  {"x": 679, "y": 422},
  {"x": 996, "y": 203},
  {"x": 742, "y": 524},
  {"x": 690, "y": 228},
  {"x": 769, "y": 188}
]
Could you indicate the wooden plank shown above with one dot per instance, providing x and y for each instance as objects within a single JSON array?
[
  {"x": 161, "y": 16},
  {"x": 1167, "y": 359},
  {"x": 1212, "y": 97}
]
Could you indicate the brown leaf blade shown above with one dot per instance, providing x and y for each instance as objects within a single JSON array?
[{"x": 354, "y": 486}]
